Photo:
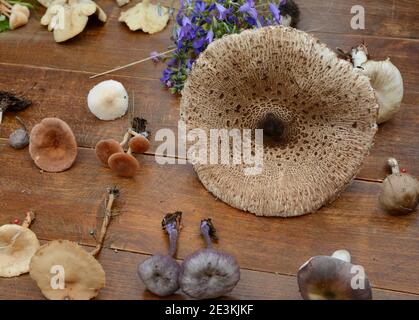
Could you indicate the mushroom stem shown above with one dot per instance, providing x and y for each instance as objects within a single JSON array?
[
  {"x": 171, "y": 223},
  {"x": 126, "y": 138},
  {"x": 113, "y": 193},
  {"x": 22, "y": 123},
  {"x": 342, "y": 254},
  {"x": 394, "y": 165},
  {"x": 1, "y": 116},
  {"x": 129, "y": 151},
  {"x": 30, "y": 217},
  {"x": 208, "y": 232}
]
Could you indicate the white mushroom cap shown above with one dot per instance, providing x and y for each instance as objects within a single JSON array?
[
  {"x": 19, "y": 16},
  {"x": 83, "y": 276},
  {"x": 17, "y": 246},
  {"x": 108, "y": 100}
]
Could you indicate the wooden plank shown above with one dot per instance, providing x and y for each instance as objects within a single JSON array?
[
  {"x": 67, "y": 206},
  {"x": 117, "y": 45},
  {"x": 122, "y": 283},
  {"x": 63, "y": 94}
]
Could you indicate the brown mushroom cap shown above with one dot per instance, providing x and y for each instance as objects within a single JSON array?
[
  {"x": 286, "y": 82},
  {"x": 123, "y": 164},
  {"x": 139, "y": 144},
  {"x": 17, "y": 246},
  {"x": 52, "y": 145},
  {"x": 329, "y": 278},
  {"x": 83, "y": 275},
  {"x": 105, "y": 148}
]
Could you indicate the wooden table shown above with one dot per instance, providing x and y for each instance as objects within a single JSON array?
[{"x": 56, "y": 78}]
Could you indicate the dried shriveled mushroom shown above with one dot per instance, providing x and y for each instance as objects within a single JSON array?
[
  {"x": 208, "y": 273},
  {"x": 108, "y": 100},
  {"x": 68, "y": 18},
  {"x": 333, "y": 278},
  {"x": 399, "y": 191},
  {"x": 289, "y": 84},
  {"x": 82, "y": 275},
  {"x": 52, "y": 145},
  {"x": 17, "y": 246},
  {"x": 146, "y": 16},
  {"x": 160, "y": 273},
  {"x": 12, "y": 102}
]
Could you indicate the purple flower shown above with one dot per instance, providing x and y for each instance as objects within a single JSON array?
[
  {"x": 283, "y": 2},
  {"x": 155, "y": 56},
  {"x": 210, "y": 36},
  {"x": 222, "y": 11},
  {"x": 249, "y": 8},
  {"x": 199, "y": 6},
  {"x": 275, "y": 12},
  {"x": 166, "y": 75}
]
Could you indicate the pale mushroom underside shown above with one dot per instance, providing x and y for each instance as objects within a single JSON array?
[{"x": 328, "y": 112}]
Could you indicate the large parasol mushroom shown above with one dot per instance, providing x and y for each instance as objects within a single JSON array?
[{"x": 317, "y": 113}]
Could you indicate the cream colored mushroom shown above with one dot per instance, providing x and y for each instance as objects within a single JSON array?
[
  {"x": 122, "y": 2},
  {"x": 148, "y": 17},
  {"x": 68, "y": 18},
  {"x": 19, "y": 16},
  {"x": 17, "y": 246}
]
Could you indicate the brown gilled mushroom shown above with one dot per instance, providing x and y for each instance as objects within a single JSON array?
[
  {"x": 17, "y": 246},
  {"x": 318, "y": 128},
  {"x": 105, "y": 148},
  {"x": 65, "y": 271},
  {"x": 123, "y": 164},
  {"x": 52, "y": 145},
  {"x": 333, "y": 278}
]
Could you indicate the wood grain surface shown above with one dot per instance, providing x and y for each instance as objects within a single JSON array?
[{"x": 68, "y": 205}]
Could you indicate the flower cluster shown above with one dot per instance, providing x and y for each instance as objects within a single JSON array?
[{"x": 199, "y": 22}]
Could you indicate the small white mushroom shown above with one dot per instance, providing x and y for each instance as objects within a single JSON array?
[
  {"x": 19, "y": 16},
  {"x": 108, "y": 100},
  {"x": 385, "y": 79},
  {"x": 148, "y": 17}
]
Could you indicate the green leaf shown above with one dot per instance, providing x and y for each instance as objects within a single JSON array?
[{"x": 4, "y": 25}]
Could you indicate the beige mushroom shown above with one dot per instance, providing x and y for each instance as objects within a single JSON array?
[
  {"x": 68, "y": 18},
  {"x": 17, "y": 246},
  {"x": 317, "y": 129},
  {"x": 148, "y": 17},
  {"x": 79, "y": 275},
  {"x": 19, "y": 16},
  {"x": 122, "y": 2}
]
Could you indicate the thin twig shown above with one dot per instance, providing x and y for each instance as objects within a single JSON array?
[{"x": 131, "y": 64}]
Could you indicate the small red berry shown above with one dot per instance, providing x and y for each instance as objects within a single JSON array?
[
  {"x": 403, "y": 170},
  {"x": 16, "y": 221}
]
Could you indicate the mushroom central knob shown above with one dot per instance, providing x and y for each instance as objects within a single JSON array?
[{"x": 317, "y": 113}]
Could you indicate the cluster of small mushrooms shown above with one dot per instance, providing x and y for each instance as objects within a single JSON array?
[
  {"x": 206, "y": 274},
  {"x": 17, "y": 14},
  {"x": 82, "y": 275}
]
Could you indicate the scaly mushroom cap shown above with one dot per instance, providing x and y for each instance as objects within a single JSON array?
[
  {"x": 17, "y": 246},
  {"x": 320, "y": 115},
  {"x": 123, "y": 164},
  {"x": 139, "y": 144},
  {"x": 83, "y": 276},
  {"x": 108, "y": 100},
  {"x": 328, "y": 278},
  {"x": 52, "y": 145},
  {"x": 105, "y": 148}
]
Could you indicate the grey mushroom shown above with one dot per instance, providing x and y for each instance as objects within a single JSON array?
[{"x": 19, "y": 138}]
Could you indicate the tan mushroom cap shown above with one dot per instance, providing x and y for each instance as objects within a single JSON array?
[
  {"x": 83, "y": 274},
  {"x": 139, "y": 144},
  {"x": 326, "y": 109},
  {"x": 105, "y": 148},
  {"x": 52, "y": 145},
  {"x": 17, "y": 246},
  {"x": 123, "y": 164}
]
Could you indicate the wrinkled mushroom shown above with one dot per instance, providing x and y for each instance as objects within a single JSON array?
[
  {"x": 108, "y": 100},
  {"x": 208, "y": 273},
  {"x": 160, "y": 273},
  {"x": 11, "y": 102},
  {"x": 17, "y": 246},
  {"x": 333, "y": 278},
  {"x": 52, "y": 145},
  {"x": 146, "y": 16},
  {"x": 19, "y": 138},
  {"x": 399, "y": 192},
  {"x": 79, "y": 276},
  {"x": 68, "y": 18},
  {"x": 324, "y": 129}
]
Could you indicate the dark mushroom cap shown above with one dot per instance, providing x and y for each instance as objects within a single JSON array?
[
  {"x": 123, "y": 164},
  {"x": 160, "y": 274},
  {"x": 105, "y": 148},
  {"x": 139, "y": 144},
  {"x": 52, "y": 145},
  {"x": 328, "y": 278},
  {"x": 208, "y": 274}
]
